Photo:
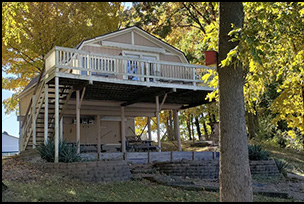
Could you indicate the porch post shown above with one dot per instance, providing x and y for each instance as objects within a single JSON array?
[
  {"x": 149, "y": 128},
  {"x": 33, "y": 120},
  {"x": 77, "y": 122},
  {"x": 123, "y": 129},
  {"x": 61, "y": 129},
  {"x": 176, "y": 129},
  {"x": 46, "y": 113},
  {"x": 56, "y": 118},
  {"x": 98, "y": 136},
  {"x": 157, "y": 116}
]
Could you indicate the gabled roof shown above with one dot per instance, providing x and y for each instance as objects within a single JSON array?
[
  {"x": 119, "y": 32},
  {"x": 136, "y": 29},
  {"x": 6, "y": 134}
]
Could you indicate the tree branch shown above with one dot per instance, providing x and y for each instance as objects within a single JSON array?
[
  {"x": 23, "y": 54},
  {"x": 194, "y": 18}
]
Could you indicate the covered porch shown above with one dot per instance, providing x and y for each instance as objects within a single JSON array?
[{"x": 100, "y": 86}]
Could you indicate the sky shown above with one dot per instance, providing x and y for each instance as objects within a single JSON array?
[{"x": 9, "y": 122}]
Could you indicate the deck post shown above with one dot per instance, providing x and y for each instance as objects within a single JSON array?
[
  {"x": 123, "y": 130},
  {"x": 176, "y": 129},
  {"x": 61, "y": 129},
  {"x": 149, "y": 128},
  {"x": 98, "y": 136},
  {"x": 46, "y": 113},
  {"x": 34, "y": 120},
  {"x": 77, "y": 122},
  {"x": 157, "y": 116},
  {"x": 56, "y": 118}
]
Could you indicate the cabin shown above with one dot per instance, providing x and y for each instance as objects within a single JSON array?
[
  {"x": 89, "y": 95},
  {"x": 10, "y": 144}
]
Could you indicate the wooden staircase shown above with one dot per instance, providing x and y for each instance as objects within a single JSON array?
[{"x": 28, "y": 128}]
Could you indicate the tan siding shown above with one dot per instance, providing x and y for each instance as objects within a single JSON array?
[
  {"x": 125, "y": 38},
  {"x": 110, "y": 131},
  {"x": 139, "y": 40},
  {"x": 102, "y": 50},
  {"x": 25, "y": 101},
  {"x": 169, "y": 58}
]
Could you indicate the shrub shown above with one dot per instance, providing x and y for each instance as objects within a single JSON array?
[
  {"x": 282, "y": 165},
  {"x": 256, "y": 152},
  {"x": 67, "y": 152}
]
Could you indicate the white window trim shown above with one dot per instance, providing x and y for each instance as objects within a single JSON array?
[{"x": 141, "y": 54}]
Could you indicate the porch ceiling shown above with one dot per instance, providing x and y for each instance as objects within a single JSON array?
[{"x": 130, "y": 94}]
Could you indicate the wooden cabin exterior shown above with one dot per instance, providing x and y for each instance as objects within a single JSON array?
[{"x": 92, "y": 93}]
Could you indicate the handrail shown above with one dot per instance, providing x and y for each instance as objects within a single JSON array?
[
  {"x": 79, "y": 62},
  {"x": 28, "y": 117},
  {"x": 58, "y": 48}
]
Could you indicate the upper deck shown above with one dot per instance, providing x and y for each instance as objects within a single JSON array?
[{"x": 78, "y": 64}]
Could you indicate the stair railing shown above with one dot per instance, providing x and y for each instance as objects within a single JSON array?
[{"x": 26, "y": 128}]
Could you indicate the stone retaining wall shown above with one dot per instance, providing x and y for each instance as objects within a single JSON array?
[
  {"x": 93, "y": 171},
  {"x": 264, "y": 168},
  {"x": 210, "y": 169}
]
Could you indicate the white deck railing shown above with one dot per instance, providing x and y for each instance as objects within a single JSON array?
[{"x": 80, "y": 62}]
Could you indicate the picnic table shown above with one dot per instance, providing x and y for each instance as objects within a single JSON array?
[{"x": 139, "y": 146}]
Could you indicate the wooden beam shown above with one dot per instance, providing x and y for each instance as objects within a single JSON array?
[
  {"x": 164, "y": 99},
  {"x": 77, "y": 122},
  {"x": 192, "y": 105},
  {"x": 93, "y": 103},
  {"x": 46, "y": 113},
  {"x": 82, "y": 95},
  {"x": 123, "y": 130},
  {"x": 176, "y": 129},
  {"x": 81, "y": 85},
  {"x": 98, "y": 136},
  {"x": 158, "y": 123},
  {"x": 56, "y": 160},
  {"x": 137, "y": 99},
  {"x": 61, "y": 129},
  {"x": 33, "y": 120},
  {"x": 149, "y": 128},
  {"x": 110, "y": 113}
]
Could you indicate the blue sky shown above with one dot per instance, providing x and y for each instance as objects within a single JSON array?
[{"x": 9, "y": 122}]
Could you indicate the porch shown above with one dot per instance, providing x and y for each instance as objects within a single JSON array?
[
  {"x": 82, "y": 65},
  {"x": 101, "y": 85}
]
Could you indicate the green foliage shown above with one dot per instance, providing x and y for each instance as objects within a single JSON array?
[
  {"x": 282, "y": 165},
  {"x": 256, "y": 152},
  {"x": 67, "y": 152},
  {"x": 31, "y": 29}
]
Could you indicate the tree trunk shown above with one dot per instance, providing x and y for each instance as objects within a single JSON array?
[
  {"x": 192, "y": 128},
  {"x": 171, "y": 137},
  {"x": 206, "y": 132},
  {"x": 198, "y": 128},
  {"x": 235, "y": 177},
  {"x": 252, "y": 124},
  {"x": 189, "y": 125}
]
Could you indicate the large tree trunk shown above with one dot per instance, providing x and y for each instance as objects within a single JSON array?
[
  {"x": 189, "y": 125},
  {"x": 252, "y": 124},
  {"x": 198, "y": 129},
  {"x": 235, "y": 177},
  {"x": 205, "y": 130},
  {"x": 171, "y": 135}
]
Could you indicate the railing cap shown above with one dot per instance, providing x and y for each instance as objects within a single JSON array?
[{"x": 59, "y": 48}]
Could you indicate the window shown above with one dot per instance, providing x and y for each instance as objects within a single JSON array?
[{"x": 135, "y": 67}]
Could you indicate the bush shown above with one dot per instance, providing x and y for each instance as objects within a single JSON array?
[
  {"x": 255, "y": 152},
  {"x": 282, "y": 165},
  {"x": 67, "y": 152}
]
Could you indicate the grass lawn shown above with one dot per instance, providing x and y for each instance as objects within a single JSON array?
[
  {"x": 28, "y": 185},
  {"x": 294, "y": 158},
  {"x": 70, "y": 190}
]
